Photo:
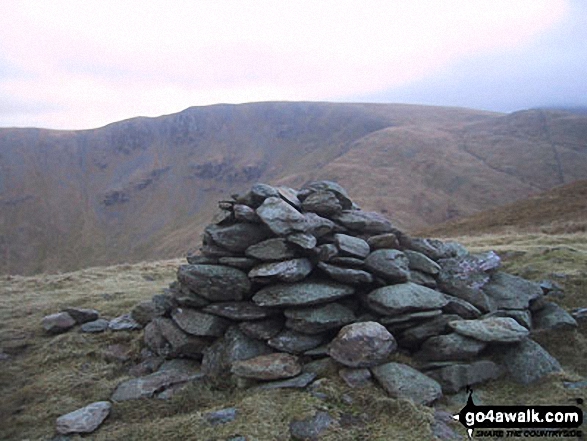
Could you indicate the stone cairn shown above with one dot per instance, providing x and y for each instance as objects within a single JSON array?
[{"x": 287, "y": 281}]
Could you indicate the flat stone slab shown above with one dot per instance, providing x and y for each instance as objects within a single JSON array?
[
  {"x": 553, "y": 317},
  {"x": 404, "y": 298},
  {"x": 295, "y": 342},
  {"x": 311, "y": 428},
  {"x": 281, "y": 218},
  {"x": 58, "y": 323},
  {"x": 84, "y": 420},
  {"x": 124, "y": 323},
  {"x": 511, "y": 292},
  {"x": 346, "y": 275},
  {"x": 215, "y": 282},
  {"x": 458, "y": 376},
  {"x": 416, "y": 335},
  {"x": 221, "y": 416},
  {"x": 324, "y": 203},
  {"x": 240, "y": 310},
  {"x": 402, "y": 381},
  {"x": 391, "y": 265},
  {"x": 242, "y": 263},
  {"x": 198, "y": 323},
  {"x": 165, "y": 338},
  {"x": 351, "y": 246},
  {"x": 149, "y": 385},
  {"x": 419, "y": 262},
  {"x": 289, "y": 271},
  {"x": 364, "y": 221},
  {"x": 355, "y": 378},
  {"x": 262, "y": 329},
  {"x": 274, "y": 249},
  {"x": 383, "y": 241},
  {"x": 99, "y": 325},
  {"x": 268, "y": 367},
  {"x": 237, "y": 237},
  {"x": 450, "y": 347},
  {"x": 363, "y": 344},
  {"x": 82, "y": 315},
  {"x": 306, "y": 241},
  {"x": 301, "y": 294},
  {"x": 527, "y": 361},
  {"x": 319, "y": 318},
  {"x": 492, "y": 329},
  {"x": 298, "y": 382},
  {"x": 460, "y": 307}
]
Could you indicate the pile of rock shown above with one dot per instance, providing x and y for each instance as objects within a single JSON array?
[{"x": 286, "y": 278}]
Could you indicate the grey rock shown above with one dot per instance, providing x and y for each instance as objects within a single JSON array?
[
  {"x": 149, "y": 385},
  {"x": 184, "y": 296},
  {"x": 346, "y": 275},
  {"x": 361, "y": 345},
  {"x": 268, "y": 367},
  {"x": 322, "y": 367},
  {"x": 311, "y": 428},
  {"x": 320, "y": 318},
  {"x": 196, "y": 259},
  {"x": 244, "y": 213},
  {"x": 457, "y": 376},
  {"x": 259, "y": 192},
  {"x": 144, "y": 312},
  {"x": 243, "y": 263},
  {"x": 198, "y": 323},
  {"x": 290, "y": 196},
  {"x": 58, "y": 323},
  {"x": 419, "y": 262},
  {"x": 423, "y": 279},
  {"x": 304, "y": 240},
  {"x": 450, "y": 347},
  {"x": 221, "y": 416},
  {"x": 281, "y": 218},
  {"x": 413, "y": 318},
  {"x": 511, "y": 292},
  {"x": 402, "y": 381},
  {"x": 81, "y": 315},
  {"x": 442, "y": 426},
  {"x": 575, "y": 384},
  {"x": 579, "y": 314},
  {"x": 214, "y": 282},
  {"x": 351, "y": 246},
  {"x": 326, "y": 252},
  {"x": 329, "y": 186},
  {"x": 164, "y": 338},
  {"x": 404, "y": 298},
  {"x": 553, "y": 317},
  {"x": 349, "y": 262},
  {"x": 239, "y": 310},
  {"x": 324, "y": 203},
  {"x": 391, "y": 265},
  {"x": 460, "y": 307},
  {"x": 298, "y": 382},
  {"x": 84, "y": 420},
  {"x": 271, "y": 250},
  {"x": 492, "y": 329},
  {"x": 209, "y": 249},
  {"x": 363, "y": 221},
  {"x": 355, "y": 378},
  {"x": 96, "y": 326},
  {"x": 295, "y": 342},
  {"x": 523, "y": 317},
  {"x": 383, "y": 241},
  {"x": 124, "y": 323},
  {"x": 527, "y": 361},
  {"x": 318, "y": 226},
  {"x": 319, "y": 351},
  {"x": 289, "y": 271},
  {"x": 234, "y": 346},
  {"x": 237, "y": 237},
  {"x": 262, "y": 329},
  {"x": 301, "y": 294},
  {"x": 416, "y": 335}
]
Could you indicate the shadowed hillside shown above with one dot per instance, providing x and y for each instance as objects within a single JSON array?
[{"x": 139, "y": 189}]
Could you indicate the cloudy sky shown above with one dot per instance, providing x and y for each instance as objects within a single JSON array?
[{"x": 74, "y": 64}]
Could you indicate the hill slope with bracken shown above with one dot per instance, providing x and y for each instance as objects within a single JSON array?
[{"x": 142, "y": 189}]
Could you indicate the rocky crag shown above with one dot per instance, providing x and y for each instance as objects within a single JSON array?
[{"x": 287, "y": 282}]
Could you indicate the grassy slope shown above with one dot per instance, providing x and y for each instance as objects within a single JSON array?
[{"x": 47, "y": 376}]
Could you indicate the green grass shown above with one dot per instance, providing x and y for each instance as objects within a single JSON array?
[{"x": 47, "y": 376}]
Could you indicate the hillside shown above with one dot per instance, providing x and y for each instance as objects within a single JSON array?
[
  {"x": 560, "y": 210},
  {"x": 139, "y": 189}
]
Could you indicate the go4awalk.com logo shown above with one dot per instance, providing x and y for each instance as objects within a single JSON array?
[{"x": 521, "y": 421}]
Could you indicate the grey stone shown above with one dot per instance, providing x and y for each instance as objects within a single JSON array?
[
  {"x": 450, "y": 347},
  {"x": 214, "y": 282},
  {"x": 322, "y": 367},
  {"x": 442, "y": 428},
  {"x": 383, "y": 241},
  {"x": 523, "y": 317},
  {"x": 363, "y": 221},
  {"x": 221, "y": 416},
  {"x": 58, "y": 323},
  {"x": 96, "y": 326},
  {"x": 209, "y": 249},
  {"x": 579, "y": 314},
  {"x": 413, "y": 318},
  {"x": 289, "y": 271},
  {"x": 184, "y": 296},
  {"x": 351, "y": 246},
  {"x": 81, "y": 315},
  {"x": 290, "y": 196},
  {"x": 419, "y": 262},
  {"x": 244, "y": 213},
  {"x": 553, "y": 317},
  {"x": 460, "y": 307},
  {"x": 492, "y": 329},
  {"x": 196, "y": 259},
  {"x": 243, "y": 263},
  {"x": 423, "y": 279},
  {"x": 298, "y": 382},
  {"x": 318, "y": 226},
  {"x": 349, "y": 262},
  {"x": 362, "y": 344},
  {"x": 391, "y": 265},
  {"x": 319, "y": 351},
  {"x": 268, "y": 367},
  {"x": 404, "y": 298},
  {"x": 164, "y": 338},
  {"x": 527, "y": 361},
  {"x": 511, "y": 292},
  {"x": 355, "y": 378},
  {"x": 237, "y": 237},
  {"x": 402, "y": 381},
  {"x": 311, "y": 428},
  {"x": 346, "y": 275},
  {"x": 84, "y": 420},
  {"x": 271, "y": 250},
  {"x": 240, "y": 310},
  {"x": 295, "y": 342},
  {"x": 281, "y": 218},
  {"x": 324, "y": 203},
  {"x": 320, "y": 318},
  {"x": 326, "y": 252},
  {"x": 416, "y": 335},
  {"x": 144, "y": 312},
  {"x": 457, "y": 376},
  {"x": 262, "y": 329},
  {"x": 198, "y": 323},
  {"x": 301, "y": 294},
  {"x": 304, "y": 240},
  {"x": 124, "y": 323},
  {"x": 329, "y": 186}
]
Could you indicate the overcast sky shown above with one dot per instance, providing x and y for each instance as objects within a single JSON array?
[{"x": 75, "y": 64}]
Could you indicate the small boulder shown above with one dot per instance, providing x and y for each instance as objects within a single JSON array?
[
  {"x": 289, "y": 271},
  {"x": 81, "y": 315},
  {"x": 455, "y": 377},
  {"x": 492, "y": 329},
  {"x": 268, "y": 367},
  {"x": 96, "y": 326},
  {"x": 58, "y": 323},
  {"x": 450, "y": 347},
  {"x": 84, "y": 420},
  {"x": 402, "y": 381},
  {"x": 311, "y": 429},
  {"x": 404, "y": 298},
  {"x": 391, "y": 265},
  {"x": 320, "y": 318},
  {"x": 351, "y": 246},
  {"x": 527, "y": 361},
  {"x": 123, "y": 323},
  {"x": 553, "y": 317}
]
